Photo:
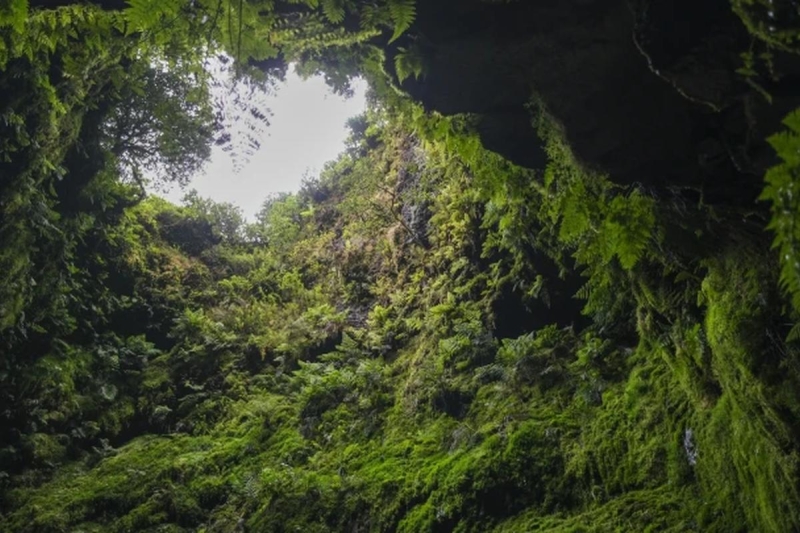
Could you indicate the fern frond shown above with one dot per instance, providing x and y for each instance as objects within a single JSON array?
[
  {"x": 585, "y": 292},
  {"x": 627, "y": 230},
  {"x": 574, "y": 214},
  {"x": 14, "y": 13},
  {"x": 403, "y": 13},
  {"x": 143, "y": 15},
  {"x": 408, "y": 62},
  {"x": 333, "y": 10},
  {"x": 783, "y": 184},
  {"x": 794, "y": 333}
]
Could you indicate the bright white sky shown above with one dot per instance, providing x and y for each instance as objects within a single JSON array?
[{"x": 307, "y": 129}]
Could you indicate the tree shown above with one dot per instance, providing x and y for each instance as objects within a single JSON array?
[
  {"x": 161, "y": 124},
  {"x": 226, "y": 219}
]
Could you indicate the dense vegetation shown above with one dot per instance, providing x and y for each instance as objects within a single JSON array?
[{"x": 426, "y": 337}]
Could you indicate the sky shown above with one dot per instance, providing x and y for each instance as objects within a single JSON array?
[{"x": 307, "y": 129}]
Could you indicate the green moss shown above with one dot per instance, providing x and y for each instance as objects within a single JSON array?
[
  {"x": 662, "y": 509},
  {"x": 750, "y": 462}
]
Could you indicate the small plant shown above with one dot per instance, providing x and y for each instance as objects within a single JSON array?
[{"x": 782, "y": 190}]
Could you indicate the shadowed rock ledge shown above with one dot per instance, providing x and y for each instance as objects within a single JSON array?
[{"x": 646, "y": 91}]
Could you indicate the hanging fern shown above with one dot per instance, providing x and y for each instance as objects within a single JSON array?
[
  {"x": 13, "y": 13},
  {"x": 574, "y": 210},
  {"x": 409, "y": 62},
  {"x": 627, "y": 228},
  {"x": 403, "y": 13},
  {"x": 143, "y": 15},
  {"x": 772, "y": 21},
  {"x": 298, "y": 33},
  {"x": 783, "y": 191},
  {"x": 794, "y": 333},
  {"x": 333, "y": 10}
]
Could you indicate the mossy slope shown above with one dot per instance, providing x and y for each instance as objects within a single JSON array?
[{"x": 388, "y": 350}]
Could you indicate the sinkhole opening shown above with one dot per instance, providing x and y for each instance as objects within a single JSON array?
[{"x": 307, "y": 127}]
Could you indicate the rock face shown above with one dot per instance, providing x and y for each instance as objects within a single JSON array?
[{"x": 645, "y": 90}]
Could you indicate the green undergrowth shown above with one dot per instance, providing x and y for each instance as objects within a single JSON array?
[{"x": 425, "y": 338}]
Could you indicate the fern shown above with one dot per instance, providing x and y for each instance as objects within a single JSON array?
[
  {"x": 333, "y": 10},
  {"x": 408, "y": 62},
  {"x": 403, "y": 13},
  {"x": 627, "y": 229},
  {"x": 794, "y": 334},
  {"x": 783, "y": 191},
  {"x": 145, "y": 14},
  {"x": 770, "y": 22},
  {"x": 14, "y": 13},
  {"x": 298, "y": 33},
  {"x": 575, "y": 215},
  {"x": 585, "y": 292}
]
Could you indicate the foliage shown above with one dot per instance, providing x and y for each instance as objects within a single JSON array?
[
  {"x": 402, "y": 13},
  {"x": 346, "y": 361},
  {"x": 409, "y": 62},
  {"x": 774, "y": 22},
  {"x": 426, "y": 337},
  {"x": 782, "y": 180}
]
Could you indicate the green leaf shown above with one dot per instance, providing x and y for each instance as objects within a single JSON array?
[
  {"x": 782, "y": 189},
  {"x": 333, "y": 10},
  {"x": 403, "y": 13},
  {"x": 14, "y": 13}
]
